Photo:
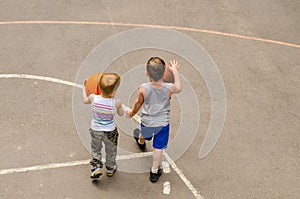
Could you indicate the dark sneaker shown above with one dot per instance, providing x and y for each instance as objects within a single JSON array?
[
  {"x": 154, "y": 176},
  {"x": 96, "y": 172},
  {"x": 136, "y": 134},
  {"x": 96, "y": 163},
  {"x": 111, "y": 171}
]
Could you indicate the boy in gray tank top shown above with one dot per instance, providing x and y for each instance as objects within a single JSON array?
[{"x": 154, "y": 99}]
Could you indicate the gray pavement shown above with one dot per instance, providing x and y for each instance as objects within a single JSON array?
[{"x": 257, "y": 153}]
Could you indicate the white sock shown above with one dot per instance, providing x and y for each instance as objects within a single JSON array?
[{"x": 154, "y": 170}]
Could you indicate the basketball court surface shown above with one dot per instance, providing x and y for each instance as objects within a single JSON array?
[{"x": 255, "y": 47}]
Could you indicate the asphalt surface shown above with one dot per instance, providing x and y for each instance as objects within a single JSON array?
[{"x": 257, "y": 155}]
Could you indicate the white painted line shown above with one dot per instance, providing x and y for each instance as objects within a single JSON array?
[
  {"x": 166, "y": 167},
  {"x": 76, "y": 163},
  {"x": 67, "y": 164},
  {"x": 134, "y": 155},
  {"x": 189, "y": 185},
  {"x": 48, "y": 79},
  {"x": 166, "y": 188},
  {"x": 55, "y": 80},
  {"x": 43, "y": 167},
  {"x": 183, "y": 178}
]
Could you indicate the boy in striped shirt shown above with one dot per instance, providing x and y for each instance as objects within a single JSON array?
[{"x": 103, "y": 128}]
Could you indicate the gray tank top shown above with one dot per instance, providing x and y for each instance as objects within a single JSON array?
[{"x": 156, "y": 106}]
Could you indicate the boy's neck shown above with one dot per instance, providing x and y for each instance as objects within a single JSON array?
[
  {"x": 157, "y": 82},
  {"x": 106, "y": 96}
]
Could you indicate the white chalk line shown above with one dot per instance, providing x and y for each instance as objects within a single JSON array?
[
  {"x": 48, "y": 79},
  {"x": 43, "y": 167},
  {"x": 67, "y": 164},
  {"x": 189, "y": 185}
]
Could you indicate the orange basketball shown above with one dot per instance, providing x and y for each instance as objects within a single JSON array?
[
  {"x": 92, "y": 84},
  {"x": 168, "y": 75}
]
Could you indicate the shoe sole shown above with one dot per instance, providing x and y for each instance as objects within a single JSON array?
[
  {"x": 111, "y": 174},
  {"x": 96, "y": 175},
  {"x": 154, "y": 180}
]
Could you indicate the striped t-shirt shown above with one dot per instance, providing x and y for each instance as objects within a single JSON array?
[{"x": 103, "y": 114}]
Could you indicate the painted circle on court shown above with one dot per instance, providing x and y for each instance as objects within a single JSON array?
[{"x": 167, "y": 40}]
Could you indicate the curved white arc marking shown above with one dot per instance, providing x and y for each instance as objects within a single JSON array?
[
  {"x": 48, "y": 79},
  {"x": 178, "y": 44},
  {"x": 195, "y": 192}
]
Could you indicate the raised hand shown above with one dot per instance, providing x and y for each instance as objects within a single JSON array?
[{"x": 174, "y": 65}]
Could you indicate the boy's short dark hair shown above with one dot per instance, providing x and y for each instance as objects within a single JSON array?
[
  {"x": 109, "y": 82},
  {"x": 156, "y": 68}
]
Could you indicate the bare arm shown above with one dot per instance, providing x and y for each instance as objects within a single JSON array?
[
  {"x": 118, "y": 105},
  {"x": 138, "y": 102},
  {"x": 176, "y": 86},
  {"x": 86, "y": 99}
]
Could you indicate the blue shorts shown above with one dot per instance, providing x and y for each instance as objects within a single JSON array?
[{"x": 160, "y": 135}]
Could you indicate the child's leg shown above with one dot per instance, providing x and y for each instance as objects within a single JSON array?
[
  {"x": 111, "y": 144},
  {"x": 155, "y": 171},
  {"x": 160, "y": 142},
  {"x": 96, "y": 145},
  {"x": 157, "y": 156}
]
